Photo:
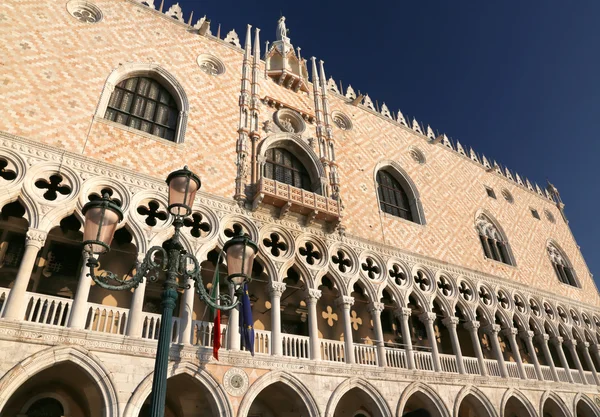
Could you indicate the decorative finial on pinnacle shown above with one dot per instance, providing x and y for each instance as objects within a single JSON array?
[{"x": 282, "y": 31}]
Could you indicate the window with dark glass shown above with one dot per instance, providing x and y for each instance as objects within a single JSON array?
[
  {"x": 561, "y": 266},
  {"x": 392, "y": 197},
  {"x": 284, "y": 167},
  {"x": 143, "y": 104},
  {"x": 493, "y": 243}
]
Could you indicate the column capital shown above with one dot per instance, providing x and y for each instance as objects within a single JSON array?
[
  {"x": 571, "y": 343},
  {"x": 346, "y": 301},
  {"x": 492, "y": 328},
  {"x": 472, "y": 325},
  {"x": 545, "y": 337},
  {"x": 403, "y": 312},
  {"x": 586, "y": 345},
  {"x": 527, "y": 334},
  {"x": 595, "y": 347},
  {"x": 276, "y": 289},
  {"x": 376, "y": 307},
  {"x": 557, "y": 340},
  {"x": 510, "y": 331},
  {"x": 451, "y": 321},
  {"x": 35, "y": 237},
  {"x": 313, "y": 295},
  {"x": 427, "y": 317}
]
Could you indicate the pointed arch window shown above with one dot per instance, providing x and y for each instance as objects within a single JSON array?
[
  {"x": 562, "y": 266},
  {"x": 282, "y": 166},
  {"x": 494, "y": 244},
  {"x": 142, "y": 103},
  {"x": 393, "y": 199}
]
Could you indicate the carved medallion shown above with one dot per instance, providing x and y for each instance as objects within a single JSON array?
[{"x": 235, "y": 382}]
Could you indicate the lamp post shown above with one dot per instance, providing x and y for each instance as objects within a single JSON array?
[{"x": 101, "y": 219}]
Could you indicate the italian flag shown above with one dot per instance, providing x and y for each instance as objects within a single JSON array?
[{"x": 217, "y": 315}]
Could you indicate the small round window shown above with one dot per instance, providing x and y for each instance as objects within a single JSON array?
[{"x": 84, "y": 11}]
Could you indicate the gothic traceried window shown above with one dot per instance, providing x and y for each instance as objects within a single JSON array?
[
  {"x": 282, "y": 166},
  {"x": 494, "y": 244},
  {"x": 143, "y": 104},
  {"x": 392, "y": 197},
  {"x": 562, "y": 267}
]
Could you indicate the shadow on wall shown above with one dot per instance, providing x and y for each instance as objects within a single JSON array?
[{"x": 421, "y": 412}]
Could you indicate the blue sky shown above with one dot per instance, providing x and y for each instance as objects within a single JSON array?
[{"x": 517, "y": 81}]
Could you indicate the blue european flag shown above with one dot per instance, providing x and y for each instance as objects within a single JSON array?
[{"x": 247, "y": 323}]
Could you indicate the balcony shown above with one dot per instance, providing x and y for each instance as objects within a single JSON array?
[
  {"x": 297, "y": 200},
  {"x": 102, "y": 319}
]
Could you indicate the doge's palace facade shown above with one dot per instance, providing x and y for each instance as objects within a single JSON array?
[{"x": 397, "y": 270}]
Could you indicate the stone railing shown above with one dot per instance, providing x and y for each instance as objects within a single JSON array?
[
  {"x": 47, "y": 309},
  {"x": 512, "y": 369},
  {"x": 365, "y": 354},
  {"x": 332, "y": 350},
  {"x": 423, "y": 361},
  {"x": 471, "y": 365},
  {"x": 546, "y": 373},
  {"x": 493, "y": 369},
  {"x": 448, "y": 363},
  {"x": 530, "y": 371},
  {"x": 106, "y": 319},
  {"x": 297, "y": 200},
  {"x": 295, "y": 346},
  {"x": 396, "y": 358}
]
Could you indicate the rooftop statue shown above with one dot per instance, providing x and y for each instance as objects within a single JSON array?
[{"x": 281, "y": 29}]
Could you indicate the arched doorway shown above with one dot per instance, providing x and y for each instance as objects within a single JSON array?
[
  {"x": 63, "y": 387},
  {"x": 356, "y": 402},
  {"x": 420, "y": 404},
  {"x": 516, "y": 408},
  {"x": 278, "y": 399},
  {"x": 471, "y": 406},
  {"x": 186, "y": 397}
]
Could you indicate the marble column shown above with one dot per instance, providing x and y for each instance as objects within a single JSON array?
[
  {"x": 511, "y": 335},
  {"x": 375, "y": 309},
  {"x": 79, "y": 309},
  {"x": 451, "y": 323},
  {"x": 233, "y": 324},
  {"x": 543, "y": 339},
  {"x": 346, "y": 302},
  {"x": 527, "y": 336},
  {"x": 492, "y": 331},
  {"x": 572, "y": 346},
  {"x": 558, "y": 341},
  {"x": 186, "y": 314},
  {"x": 313, "y": 326},
  {"x": 585, "y": 346},
  {"x": 404, "y": 315},
  {"x": 472, "y": 327},
  {"x": 276, "y": 290},
  {"x": 427, "y": 319},
  {"x": 16, "y": 302},
  {"x": 135, "y": 320}
]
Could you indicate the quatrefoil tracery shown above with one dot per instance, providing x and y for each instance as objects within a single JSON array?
[
  {"x": 444, "y": 286},
  {"x": 276, "y": 243},
  {"x": 562, "y": 314},
  {"x": 103, "y": 192},
  {"x": 342, "y": 260},
  {"x": 371, "y": 268},
  {"x": 235, "y": 230},
  {"x": 485, "y": 296},
  {"x": 53, "y": 186},
  {"x": 465, "y": 291},
  {"x": 422, "y": 281},
  {"x": 310, "y": 252},
  {"x": 152, "y": 212},
  {"x": 549, "y": 311},
  {"x": 503, "y": 299},
  {"x": 196, "y": 224},
  {"x": 575, "y": 317},
  {"x": 397, "y": 275},
  {"x": 5, "y": 172},
  {"x": 534, "y": 307},
  {"x": 519, "y": 304}
]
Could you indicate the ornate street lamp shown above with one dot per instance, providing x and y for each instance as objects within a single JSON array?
[{"x": 101, "y": 219}]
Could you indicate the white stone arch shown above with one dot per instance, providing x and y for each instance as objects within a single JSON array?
[
  {"x": 87, "y": 361},
  {"x": 466, "y": 308},
  {"x": 505, "y": 317},
  {"x": 394, "y": 291},
  {"x": 414, "y": 198},
  {"x": 32, "y": 212},
  {"x": 156, "y": 72},
  {"x": 269, "y": 266},
  {"x": 278, "y": 376},
  {"x": 420, "y": 297},
  {"x": 54, "y": 395},
  {"x": 556, "y": 398},
  {"x": 364, "y": 386},
  {"x": 477, "y": 225},
  {"x": 215, "y": 390},
  {"x": 511, "y": 392},
  {"x": 337, "y": 280},
  {"x": 53, "y": 218},
  {"x": 426, "y": 390},
  {"x": 305, "y": 273},
  {"x": 471, "y": 390},
  {"x": 301, "y": 150},
  {"x": 444, "y": 303},
  {"x": 370, "y": 290},
  {"x": 11, "y": 191},
  {"x": 587, "y": 400}
]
